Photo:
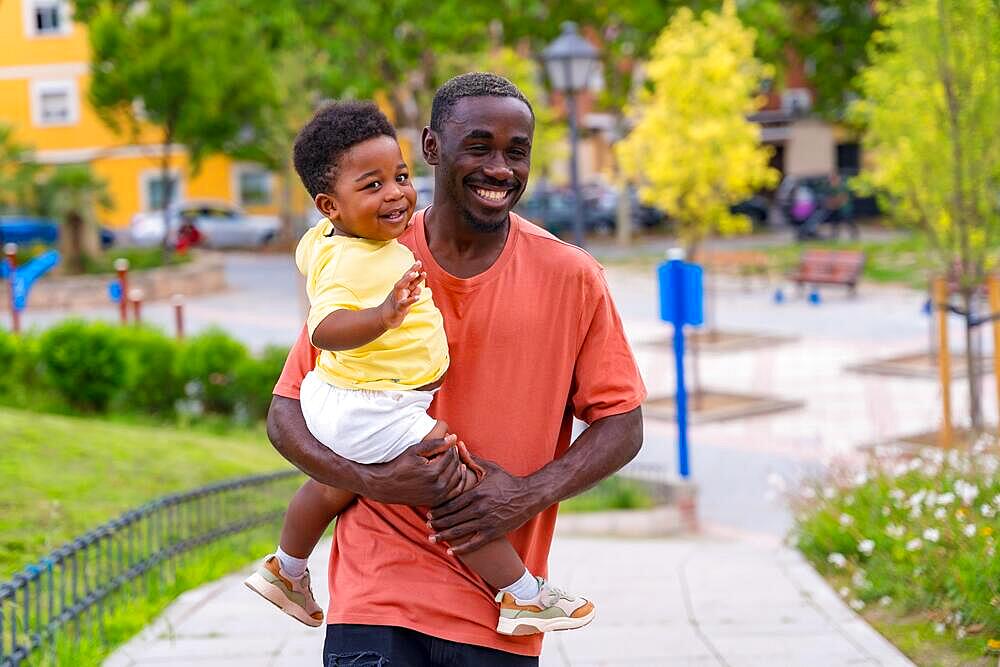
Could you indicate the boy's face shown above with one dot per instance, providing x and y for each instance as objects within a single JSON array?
[{"x": 372, "y": 196}]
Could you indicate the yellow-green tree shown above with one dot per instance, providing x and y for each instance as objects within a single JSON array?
[
  {"x": 692, "y": 150},
  {"x": 931, "y": 112}
]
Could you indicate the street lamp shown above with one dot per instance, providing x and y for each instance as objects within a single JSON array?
[{"x": 569, "y": 62}]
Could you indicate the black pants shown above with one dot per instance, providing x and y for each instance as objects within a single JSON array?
[{"x": 377, "y": 645}]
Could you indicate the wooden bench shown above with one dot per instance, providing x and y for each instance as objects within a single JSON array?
[{"x": 830, "y": 267}]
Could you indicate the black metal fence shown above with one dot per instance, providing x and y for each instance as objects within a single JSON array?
[{"x": 78, "y": 585}]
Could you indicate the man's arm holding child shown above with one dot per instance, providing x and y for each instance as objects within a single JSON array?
[
  {"x": 410, "y": 479},
  {"x": 345, "y": 329}
]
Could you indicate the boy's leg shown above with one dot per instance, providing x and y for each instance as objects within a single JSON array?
[
  {"x": 283, "y": 578},
  {"x": 313, "y": 507}
]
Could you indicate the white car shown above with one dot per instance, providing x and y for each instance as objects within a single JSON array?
[{"x": 222, "y": 225}]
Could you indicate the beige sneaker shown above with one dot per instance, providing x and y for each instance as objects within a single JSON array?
[
  {"x": 292, "y": 596},
  {"x": 552, "y": 609}
]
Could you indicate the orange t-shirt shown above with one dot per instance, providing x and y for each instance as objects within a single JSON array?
[{"x": 534, "y": 340}]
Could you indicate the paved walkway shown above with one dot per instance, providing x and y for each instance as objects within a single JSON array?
[{"x": 693, "y": 601}]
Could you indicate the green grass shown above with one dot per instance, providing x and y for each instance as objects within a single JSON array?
[
  {"x": 63, "y": 476},
  {"x": 141, "y": 604},
  {"x": 614, "y": 493},
  {"x": 912, "y": 545}
]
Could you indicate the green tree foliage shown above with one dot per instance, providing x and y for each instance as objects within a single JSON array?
[
  {"x": 693, "y": 151},
  {"x": 18, "y": 171},
  {"x": 72, "y": 194},
  {"x": 930, "y": 111},
  {"x": 201, "y": 72}
]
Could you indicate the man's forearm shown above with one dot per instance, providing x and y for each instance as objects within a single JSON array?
[
  {"x": 286, "y": 427},
  {"x": 600, "y": 451}
]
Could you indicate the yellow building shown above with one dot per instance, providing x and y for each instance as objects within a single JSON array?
[{"x": 44, "y": 74}]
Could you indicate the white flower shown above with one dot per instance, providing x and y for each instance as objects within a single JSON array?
[
  {"x": 860, "y": 479},
  {"x": 988, "y": 511},
  {"x": 960, "y": 633},
  {"x": 931, "y": 499},
  {"x": 886, "y": 510},
  {"x": 844, "y": 591},
  {"x": 885, "y": 601},
  {"x": 866, "y": 547},
  {"x": 939, "y": 628},
  {"x": 858, "y": 579},
  {"x": 917, "y": 498},
  {"x": 894, "y": 531},
  {"x": 967, "y": 491},
  {"x": 846, "y": 519},
  {"x": 969, "y": 530},
  {"x": 940, "y": 513},
  {"x": 932, "y": 534},
  {"x": 897, "y": 494},
  {"x": 829, "y": 493},
  {"x": 996, "y": 500},
  {"x": 914, "y": 544},
  {"x": 946, "y": 499},
  {"x": 857, "y": 605},
  {"x": 837, "y": 560}
]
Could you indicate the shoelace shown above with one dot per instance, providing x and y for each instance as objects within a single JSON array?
[{"x": 552, "y": 595}]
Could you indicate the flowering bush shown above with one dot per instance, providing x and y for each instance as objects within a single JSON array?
[{"x": 918, "y": 533}]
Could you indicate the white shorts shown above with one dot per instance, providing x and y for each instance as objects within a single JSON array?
[{"x": 363, "y": 425}]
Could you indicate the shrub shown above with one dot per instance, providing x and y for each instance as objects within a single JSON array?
[
  {"x": 151, "y": 382},
  {"x": 918, "y": 533},
  {"x": 206, "y": 364},
  {"x": 84, "y": 363},
  {"x": 255, "y": 378}
]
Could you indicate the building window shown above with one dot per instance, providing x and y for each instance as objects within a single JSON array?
[
  {"x": 254, "y": 187},
  {"x": 55, "y": 103},
  {"x": 46, "y": 17},
  {"x": 155, "y": 189}
]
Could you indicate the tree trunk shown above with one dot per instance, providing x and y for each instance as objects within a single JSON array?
[
  {"x": 972, "y": 365},
  {"x": 73, "y": 243},
  {"x": 166, "y": 201},
  {"x": 623, "y": 215}
]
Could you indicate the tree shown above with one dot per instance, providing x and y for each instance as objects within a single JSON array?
[
  {"x": 930, "y": 111},
  {"x": 18, "y": 170},
  {"x": 201, "y": 73},
  {"x": 72, "y": 194},
  {"x": 692, "y": 150}
]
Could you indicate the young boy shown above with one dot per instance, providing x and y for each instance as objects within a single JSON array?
[{"x": 384, "y": 354}]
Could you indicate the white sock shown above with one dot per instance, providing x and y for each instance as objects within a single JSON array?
[
  {"x": 293, "y": 567},
  {"x": 525, "y": 588}
]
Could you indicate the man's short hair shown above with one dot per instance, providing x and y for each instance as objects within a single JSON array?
[
  {"x": 473, "y": 84},
  {"x": 332, "y": 131}
]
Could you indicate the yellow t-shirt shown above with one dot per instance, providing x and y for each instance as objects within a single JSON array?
[{"x": 355, "y": 273}]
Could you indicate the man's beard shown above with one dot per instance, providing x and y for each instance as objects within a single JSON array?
[{"x": 483, "y": 226}]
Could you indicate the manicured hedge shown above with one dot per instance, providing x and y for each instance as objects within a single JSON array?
[{"x": 95, "y": 367}]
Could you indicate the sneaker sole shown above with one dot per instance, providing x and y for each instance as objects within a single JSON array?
[
  {"x": 276, "y": 596},
  {"x": 519, "y": 627}
]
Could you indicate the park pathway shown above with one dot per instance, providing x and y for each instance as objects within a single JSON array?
[{"x": 696, "y": 601}]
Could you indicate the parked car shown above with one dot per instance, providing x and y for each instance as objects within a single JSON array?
[
  {"x": 757, "y": 208},
  {"x": 221, "y": 225},
  {"x": 556, "y": 210},
  {"x": 26, "y": 229}
]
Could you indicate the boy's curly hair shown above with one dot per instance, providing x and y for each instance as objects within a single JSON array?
[{"x": 332, "y": 131}]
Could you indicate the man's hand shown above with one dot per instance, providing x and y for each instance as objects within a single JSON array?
[
  {"x": 413, "y": 479},
  {"x": 404, "y": 294},
  {"x": 499, "y": 504}
]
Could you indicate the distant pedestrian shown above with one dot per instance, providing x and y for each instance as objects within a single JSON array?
[
  {"x": 836, "y": 208},
  {"x": 188, "y": 235}
]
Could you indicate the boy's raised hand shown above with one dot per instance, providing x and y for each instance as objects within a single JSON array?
[{"x": 404, "y": 294}]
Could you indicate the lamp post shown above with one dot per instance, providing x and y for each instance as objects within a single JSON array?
[{"x": 569, "y": 63}]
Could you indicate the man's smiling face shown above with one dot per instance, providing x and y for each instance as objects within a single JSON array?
[{"x": 484, "y": 156}]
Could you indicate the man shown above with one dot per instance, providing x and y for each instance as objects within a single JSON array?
[{"x": 534, "y": 340}]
